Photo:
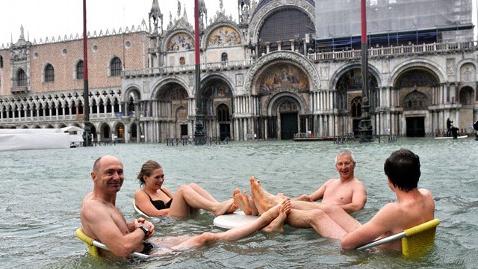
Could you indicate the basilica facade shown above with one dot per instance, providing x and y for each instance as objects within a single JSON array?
[{"x": 265, "y": 76}]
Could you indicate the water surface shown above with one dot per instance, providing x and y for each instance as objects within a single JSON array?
[{"x": 41, "y": 192}]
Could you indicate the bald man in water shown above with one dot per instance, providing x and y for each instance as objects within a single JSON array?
[{"x": 102, "y": 220}]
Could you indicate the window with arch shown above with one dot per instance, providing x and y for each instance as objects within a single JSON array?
[
  {"x": 224, "y": 58},
  {"x": 79, "y": 70},
  {"x": 466, "y": 96},
  {"x": 115, "y": 67},
  {"x": 356, "y": 107},
  {"x": 49, "y": 73},
  {"x": 1, "y": 61},
  {"x": 21, "y": 78}
]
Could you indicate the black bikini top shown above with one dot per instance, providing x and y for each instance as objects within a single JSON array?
[{"x": 159, "y": 204}]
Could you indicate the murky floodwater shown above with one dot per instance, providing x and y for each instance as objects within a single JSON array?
[{"x": 41, "y": 193}]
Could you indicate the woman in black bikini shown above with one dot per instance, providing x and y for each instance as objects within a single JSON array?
[{"x": 156, "y": 201}]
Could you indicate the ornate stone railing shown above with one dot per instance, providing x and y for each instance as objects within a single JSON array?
[
  {"x": 395, "y": 51},
  {"x": 336, "y": 55},
  {"x": 205, "y": 67}
]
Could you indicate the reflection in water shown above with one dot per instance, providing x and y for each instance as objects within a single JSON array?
[{"x": 42, "y": 190}]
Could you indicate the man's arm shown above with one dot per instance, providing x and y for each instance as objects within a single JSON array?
[
  {"x": 359, "y": 198},
  {"x": 319, "y": 193},
  {"x": 316, "y": 195},
  {"x": 380, "y": 224},
  {"x": 100, "y": 222}
]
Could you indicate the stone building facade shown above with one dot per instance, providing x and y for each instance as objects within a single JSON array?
[{"x": 263, "y": 76}]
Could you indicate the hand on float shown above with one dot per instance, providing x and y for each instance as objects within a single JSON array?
[{"x": 304, "y": 197}]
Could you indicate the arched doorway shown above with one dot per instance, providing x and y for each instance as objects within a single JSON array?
[
  {"x": 172, "y": 110},
  {"x": 133, "y": 132},
  {"x": 280, "y": 86},
  {"x": 105, "y": 133},
  {"x": 349, "y": 99},
  {"x": 182, "y": 121},
  {"x": 467, "y": 97},
  {"x": 119, "y": 130},
  {"x": 415, "y": 101},
  {"x": 214, "y": 93},
  {"x": 224, "y": 121},
  {"x": 284, "y": 123},
  {"x": 415, "y": 88}
]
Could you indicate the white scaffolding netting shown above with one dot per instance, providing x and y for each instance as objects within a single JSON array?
[{"x": 341, "y": 18}]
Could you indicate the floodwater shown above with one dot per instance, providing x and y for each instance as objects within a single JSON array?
[{"x": 41, "y": 191}]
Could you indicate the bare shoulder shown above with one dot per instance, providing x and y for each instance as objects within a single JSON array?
[
  {"x": 388, "y": 215},
  {"x": 139, "y": 193},
  {"x": 426, "y": 193},
  {"x": 358, "y": 184},
  {"x": 92, "y": 209}
]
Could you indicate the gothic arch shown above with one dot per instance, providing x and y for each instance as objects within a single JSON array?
[
  {"x": 263, "y": 12},
  {"x": 347, "y": 67},
  {"x": 276, "y": 97},
  {"x": 285, "y": 56},
  {"x": 184, "y": 42},
  {"x": 420, "y": 63},
  {"x": 221, "y": 77},
  {"x": 217, "y": 26},
  {"x": 132, "y": 89},
  {"x": 173, "y": 79}
]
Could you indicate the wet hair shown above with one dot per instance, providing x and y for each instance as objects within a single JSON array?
[
  {"x": 347, "y": 152},
  {"x": 147, "y": 169},
  {"x": 403, "y": 169}
]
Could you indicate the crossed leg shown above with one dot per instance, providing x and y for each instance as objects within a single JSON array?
[
  {"x": 278, "y": 212},
  {"x": 331, "y": 221},
  {"x": 192, "y": 196}
]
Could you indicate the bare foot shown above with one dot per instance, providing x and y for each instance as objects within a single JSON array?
[
  {"x": 277, "y": 225},
  {"x": 242, "y": 201},
  {"x": 262, "y": 199},
  {"x": 223, "y": 207}
]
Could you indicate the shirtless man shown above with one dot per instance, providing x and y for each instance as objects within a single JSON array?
[
  {"x": 413, "y": 206},
  {"x": 346, "y": 191},
  {"x": 102, "y": 221}
]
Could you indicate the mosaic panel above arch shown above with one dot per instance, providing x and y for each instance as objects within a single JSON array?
[
  {"x": 415, "y": 101},
  {"x": 180, "y": 42},
  {"x": 282, "y": 76},
  {"x": 223, "y": 36},
  {"x": 418, "y": 78}
]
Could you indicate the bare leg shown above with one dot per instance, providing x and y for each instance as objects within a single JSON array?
[
  {"x": 242, "y": 201},
  {"x": 186, "y": 198},
  {"x": 277, "y": 225},
  {"x": 202, "y": 192},
  {"x": 235, "y": 233},
  {"x": 255, "y": 212},
  {"x": 324, "y": 224},
  {"x": 262, "y": 199}
]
